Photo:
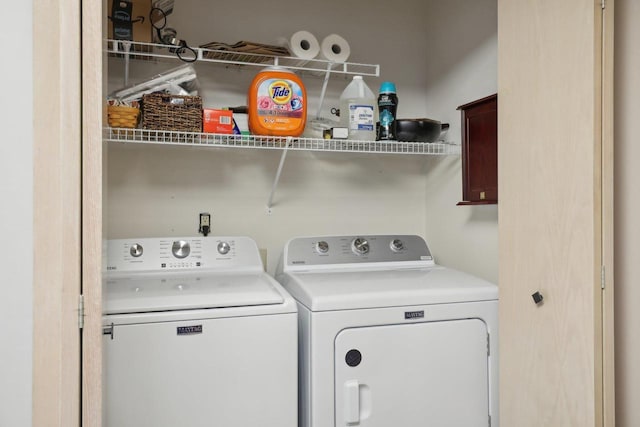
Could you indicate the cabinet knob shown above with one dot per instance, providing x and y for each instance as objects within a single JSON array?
[{"x": 537, "y": 298}]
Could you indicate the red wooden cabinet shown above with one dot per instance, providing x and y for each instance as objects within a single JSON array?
[{"x": 480, "y": 151}]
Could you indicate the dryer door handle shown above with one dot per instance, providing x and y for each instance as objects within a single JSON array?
[{"x": 352, "y": 402}]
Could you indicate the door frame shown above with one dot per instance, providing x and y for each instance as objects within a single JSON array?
[
  {"x": 68, "y": 206},
  {"x": 607, "y": 227},
  {"x": 93, "y": 205}
]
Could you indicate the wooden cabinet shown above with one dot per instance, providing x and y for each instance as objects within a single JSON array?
[{"x": 480, "y": 151}]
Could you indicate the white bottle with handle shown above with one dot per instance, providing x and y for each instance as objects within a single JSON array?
[{"x": 359, "y": 110}]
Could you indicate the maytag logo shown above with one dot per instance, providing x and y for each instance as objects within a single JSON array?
[
  {"x": 189, "y": 330},
  {"x": 414, "y": 314}
]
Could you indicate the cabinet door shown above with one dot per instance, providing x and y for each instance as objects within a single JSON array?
[
  {"x": 552, "y": 133},
  {"x": 480, "y": 151}
]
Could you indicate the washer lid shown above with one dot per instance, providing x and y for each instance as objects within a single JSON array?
[
  {"x": 169, "y": 292},
  {"x": 346, "y": 290}
]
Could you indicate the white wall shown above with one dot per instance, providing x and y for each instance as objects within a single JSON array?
[
  {"x": 156, "y": 191},
  {"x": 463, "y": 55},
  {"x": 627, "y": 212},
  {"x": 160, "y": 190},
  {"x": 16, "y": 228}
]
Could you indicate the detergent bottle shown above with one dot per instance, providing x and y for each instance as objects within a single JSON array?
[
  {"x": 277, "y": 103},
  {"x": 387, "y": 107}
]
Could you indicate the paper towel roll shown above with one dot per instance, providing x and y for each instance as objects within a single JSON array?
[
  {"x": 302, "y": 44},
  {"x": 334, "y": 48}
]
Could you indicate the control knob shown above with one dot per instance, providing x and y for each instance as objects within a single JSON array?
[
  {"x": 322, "y": 247},
  {"x": 224, "y": 248},
  {"x": 181, "y": 249},
  {"x": 397, "y": 245},
  {"x": 136, "y": 250},
  {"x": 360, "y": 246}
]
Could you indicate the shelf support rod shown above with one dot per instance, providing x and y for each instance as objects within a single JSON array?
[
  {"x": 127, "y": 48},
  {"x": 324, "y": 88},
  {"x": 277, "y": 178}
]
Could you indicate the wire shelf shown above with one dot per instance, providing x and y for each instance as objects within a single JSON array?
[
  {"x": 145, "y": 136},
  {"x": 146, "y": 51}
]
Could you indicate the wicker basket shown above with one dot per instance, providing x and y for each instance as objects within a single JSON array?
[
  {"x": 121, "y": 116},
  {"x": 172, "y": 112}
]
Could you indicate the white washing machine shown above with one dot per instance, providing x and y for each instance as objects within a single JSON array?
[
  {"x": 389, "y": 338},
  {"x": 197, "y": 334}
]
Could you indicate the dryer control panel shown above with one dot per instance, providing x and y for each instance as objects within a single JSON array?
[
  {"x": 181, "y": 253},
  {"x": 329, "y": 250}
]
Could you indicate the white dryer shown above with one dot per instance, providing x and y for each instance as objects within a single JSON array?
[
  {"x": 389, "y": 338},
  {"x": 196, "y": 334}
]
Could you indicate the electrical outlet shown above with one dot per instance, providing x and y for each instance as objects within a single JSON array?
[{"x": 205, "y": 223}]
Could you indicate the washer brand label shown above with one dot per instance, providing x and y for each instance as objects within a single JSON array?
[
  {"x": 189, "y": 330},
  {"x": 414, "y": 314}
]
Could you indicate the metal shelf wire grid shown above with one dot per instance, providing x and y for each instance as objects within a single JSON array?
[
  {"x": 144, "y": 136},
  {"x": 315, "y": 66}
]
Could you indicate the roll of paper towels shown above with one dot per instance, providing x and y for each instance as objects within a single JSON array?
[
  {"x": 303, "y": 45},
  {"x": 334, "y": 48}
]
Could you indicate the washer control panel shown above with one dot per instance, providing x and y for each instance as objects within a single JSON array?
[
  {"x": 184, "y": 253},
  {"x": 356, "y": 249}
]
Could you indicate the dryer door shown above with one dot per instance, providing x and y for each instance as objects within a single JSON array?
[{"x": 427, "y": 374}]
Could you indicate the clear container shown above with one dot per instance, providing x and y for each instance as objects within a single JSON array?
[{"x": 359, "y": 110}]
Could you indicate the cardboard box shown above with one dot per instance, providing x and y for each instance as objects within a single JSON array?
[
  {"x": 217, "y": 121},
  {"x": 241, "y": 121},
  {"x": 141, "y": 31}
]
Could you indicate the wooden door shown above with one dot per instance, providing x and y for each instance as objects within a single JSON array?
[
  {"x": 67, "y": 213},
  {"x": 56, "y": 212},
  {"x": 554, "y": 214}
]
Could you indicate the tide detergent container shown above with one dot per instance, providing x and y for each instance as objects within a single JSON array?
[{"x": 277, "y": 103}]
